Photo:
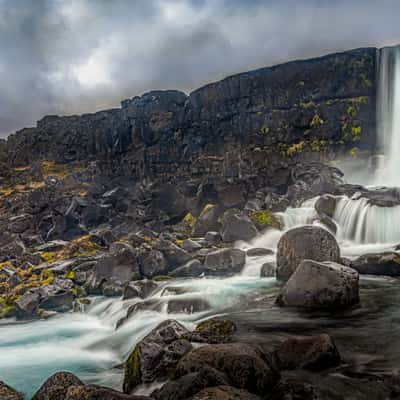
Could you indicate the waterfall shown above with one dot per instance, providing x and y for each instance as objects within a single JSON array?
[
  {"x": 362, "y": 222},
  {"x": 388, "y": 115}
]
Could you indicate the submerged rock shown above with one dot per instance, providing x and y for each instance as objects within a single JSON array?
[
  {"x": 55, "y": 387},
  {"x": 156, "y": 355},
  {"x": 321, "y": 285},
  {"x": 305, "y": 242},
  {"x": 308, "y": 352}
]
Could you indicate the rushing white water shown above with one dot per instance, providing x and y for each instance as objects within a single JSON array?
[
  {"x": 388, "y": 116},
  {"x": 365, "y": 223}
]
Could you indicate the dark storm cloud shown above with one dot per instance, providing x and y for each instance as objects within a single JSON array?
[{"x": 73, "y": 56}]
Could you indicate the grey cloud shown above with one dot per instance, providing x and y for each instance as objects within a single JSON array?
[{"x": 74, "y": 56}]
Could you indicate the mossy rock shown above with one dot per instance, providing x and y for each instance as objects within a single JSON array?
[
  {"x": 214, "y": 330},
  {"x": 265, "y": 219},
  {"x": 132, "y": 377},
  {"x": 160, "y": 278}
]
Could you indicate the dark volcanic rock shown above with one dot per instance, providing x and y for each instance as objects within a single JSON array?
[
  {"x": 306, "y": 242},
  {"x": 224, "y": 262},
  {"x": 213, "y": 331},
  {"x": 237, "y": 227},
  {"x": 321, "y": 285},
  {"x": 156, "y": 355},
  {"x": 243, "y": 365},
  {"x": 140, "y": 289},
  {"x": 308, "y": 352},
  {"x": 224, "y": 393},
  {"x": 8, "y": 393},
  {"x": 377, "y": 264},
  {"x": 93, "y": 392},
  {"x": 55, "y": 387},
  {"x": 192, "y": 268}
]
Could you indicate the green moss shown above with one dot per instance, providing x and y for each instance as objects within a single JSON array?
[
  {"x": 70, "y": 275},
  {"x": 316, "y": 121},
  {"x": 307, "y": 104},
  {"x": 296, "y": 148},
  {"x": 352, "y": 111},
  {"x": 190, "y": 220},
  {"x": 133, "y": 374},
  {"x": 367, "y": 84},
  {"x": 7, "y": 311},
  {"x": 216, "y": 326},
  {"x": 207, "y": 208},
  {"x": 265, "y": 130},
  {"x": 354, "y": 152},
  {"x": 265, "y": 219},
  {"x": 49, "y": 256}
]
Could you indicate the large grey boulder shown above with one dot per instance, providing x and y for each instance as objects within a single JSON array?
[
  {"x": 192, "y": 268},
  {"x": 174, "y": 255},
  {"x": 224, "y": 262},
  {"x": 305, "y": 242},
  {"x": 155, "y": 356},
  {"x": 236, "y": 226},
  {"x": 321, "y": 285},
  {"x": 153, "y": 264},
  {"x": 207, "y": 220}
]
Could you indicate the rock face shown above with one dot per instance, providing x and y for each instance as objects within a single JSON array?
[
  {"x": 306, "y": 242},
  {"x": 231, "y": 128},
  {"x": 156, "y": 355},
  {"x": 8, "y": 393},
  {"x": 321, "y": 285}
]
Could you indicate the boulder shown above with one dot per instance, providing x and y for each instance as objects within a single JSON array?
[
  {"x": 387, "y": 263},
  {"x": 213, "y": 237},
  {"x": 94, "y": 392},
  {"x": 190, "y": 245},
  {"x": 140, "y": 289},
  {"x": 307, "y": 352},
  {"x": 305, "y": 242},
  {"x": 207, "y": 221},
  {"x": 20, "y": 223},
  {"x": 28, "y": 304},
  {"x": 174, "y": 255},
  {"x": 153, "y": 264},
  {"x": 296, "y": 389},
  {"x": 193, "y": 268},
  {"x": 326, "y": 205},
  {"x": 224, "y": 393},
  {"x": 122, "y": 267},
  {"x": 321, "y": 285},
  {"x": 244, "y": 366},
  {"x": 156, "y": 355},
  {"x": 112, "y": 288},
  {"x": 58, "y": 296},
  {"x": 267, "y": 270},
  {"x": 213, "y": 331},
  {"x": 190, "y": 384},
  {"x": 55, "y": 387},
  {"x": 9, "y": 393},
  {"x": 237, "y": 227},
  {"x": 224, "y": 262}
]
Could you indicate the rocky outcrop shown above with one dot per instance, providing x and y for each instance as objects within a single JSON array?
[
  {"x": 377, "y": 264},
  {"x": 306, "y": 242},
  {"x": 321, "y": 285}
]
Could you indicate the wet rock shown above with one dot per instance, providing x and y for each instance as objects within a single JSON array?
[
  {"x": 57, "y": 296},
  {"x": 207, "y": 221},
  {"x": 258, "y": 252},
  {"x": 326, "y": 205},
  {"x": 224, "y": 393},
  {"x": 187, "y": 305},
  {"x": 20, "y": 223},
  {"x": 294, "y": 389},
  {"x": 321, "y": 285},
  {"x": 276, "y": 202},
  {"x": 306, "y": 242},
  {"x": 94, "y": 392},
  {"x": 224, "y": 262},
  {"x": 244, "y": 366},
  {"x": 28, "y": 304},
  {"x": 8, "y": 393},
  {"x": 112, "y": 288},
  {"x": 156, "y": 355},
  {"x": 308, "y": 352},
  {"x": 153, "y": 264},
  {"x": 213, "y": 331},
  {"x": 267, "y": 270},
  {"x": 237, "y": 227},
  {"x": 190, "y": 384},
  {"x": 140, "y": 289},
  {"x": 55, "y": 387},
  {"x": 53, "y": 245},
  {"x": 192, "y": 268},
  {"x": 377, "y": 264}
]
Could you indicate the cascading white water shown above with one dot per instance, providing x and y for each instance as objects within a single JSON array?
[
  {"x": 388, "y": 116},
  {"x": 365, "y": 223}
]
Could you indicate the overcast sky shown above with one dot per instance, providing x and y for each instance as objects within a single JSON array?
[{"x": 74, "y": 56}]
